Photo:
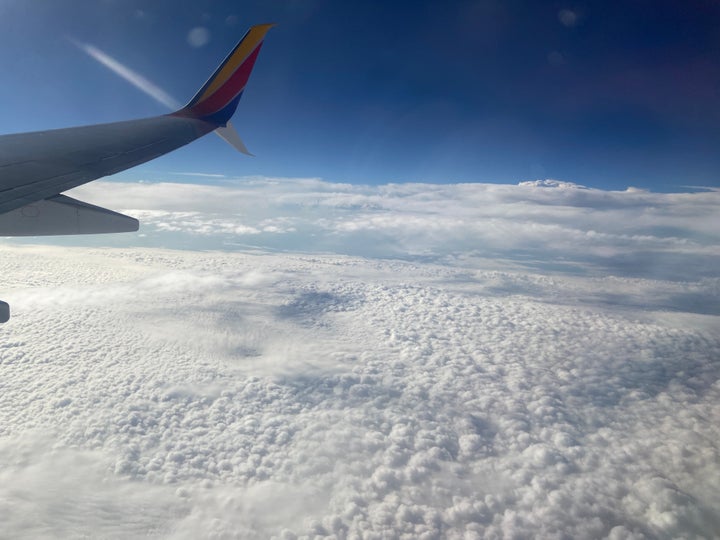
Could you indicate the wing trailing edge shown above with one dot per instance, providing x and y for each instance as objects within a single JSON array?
[{"x": 62, "y": 215}]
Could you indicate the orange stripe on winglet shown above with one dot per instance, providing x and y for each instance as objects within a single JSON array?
[{"x": 248, "y": 45}]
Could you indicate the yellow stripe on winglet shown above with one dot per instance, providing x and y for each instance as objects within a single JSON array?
[{"x": 255, "y": 36}]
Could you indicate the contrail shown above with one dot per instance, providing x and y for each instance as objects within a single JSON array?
[{"x": 137, "y": 80}]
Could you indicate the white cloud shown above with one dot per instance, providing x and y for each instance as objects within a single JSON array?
[
  {"x": 639, "y": 233},
  {"x": 199, "y": 174},
  {"x": 512, "y": 365},
  {"x": 251, "y": 395}
]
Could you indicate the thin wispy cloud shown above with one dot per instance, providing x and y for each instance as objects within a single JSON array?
[
  {"x": 199, "y": 174},
  {"x": 138, "y": 81}
]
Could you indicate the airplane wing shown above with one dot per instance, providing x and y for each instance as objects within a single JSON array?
[{"x": 35, "y": 168}]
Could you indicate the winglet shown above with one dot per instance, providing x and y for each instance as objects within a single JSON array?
[
  {"x": 217, "y": 100},
  {"x": 230, "y": 136}
]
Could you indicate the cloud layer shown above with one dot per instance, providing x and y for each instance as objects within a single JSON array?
[
  {"x": 180, "y": 394},
  {"x": 541, "y": 225},
  {"x": 400, "y": 361}
]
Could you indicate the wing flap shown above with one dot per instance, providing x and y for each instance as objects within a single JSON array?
[{"x": 64, "y": 215}]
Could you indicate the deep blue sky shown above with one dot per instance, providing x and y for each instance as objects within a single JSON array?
[{"x": 606, "y": 94}]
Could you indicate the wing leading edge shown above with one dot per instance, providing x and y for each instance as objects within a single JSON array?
[{"x": 36, "y": 167}]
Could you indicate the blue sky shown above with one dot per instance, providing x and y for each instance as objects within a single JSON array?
[{"x": 604, "y": 94}]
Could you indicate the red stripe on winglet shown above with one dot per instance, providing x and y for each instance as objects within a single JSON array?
[{"x": 231, "y": 88}]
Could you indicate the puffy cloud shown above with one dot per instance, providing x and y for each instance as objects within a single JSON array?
[
  {"x": 515, "y": 363},
  {"x": 186, "y": 394}
]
